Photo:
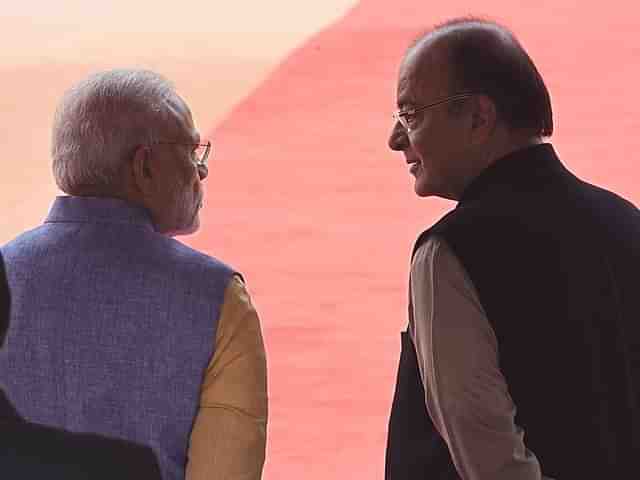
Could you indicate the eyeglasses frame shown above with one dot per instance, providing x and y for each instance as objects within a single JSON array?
[
  {"x": 398, "y": 116},
  {"x": 202, "y": 161}
]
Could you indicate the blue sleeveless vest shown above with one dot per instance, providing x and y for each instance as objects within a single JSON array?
[{"x": 112, "y": 326}]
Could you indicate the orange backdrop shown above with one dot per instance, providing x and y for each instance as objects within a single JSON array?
[{"x": 303, "y": 196}]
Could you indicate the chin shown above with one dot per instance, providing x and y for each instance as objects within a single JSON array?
[
  {"x": 423, "y": 193},
  {"x": 425, "y": 190},
  {"x": 422, "y": 189},
  {"x": 192, "y": 227}
]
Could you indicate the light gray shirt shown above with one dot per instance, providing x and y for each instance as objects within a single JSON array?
[{"x": 466, "y": 394}]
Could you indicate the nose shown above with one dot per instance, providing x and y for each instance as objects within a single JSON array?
[
  {"x": 398, "y": 140},
  {"x": 203, "y": 172}
]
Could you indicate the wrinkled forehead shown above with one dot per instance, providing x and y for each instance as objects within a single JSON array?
[{"x": 423, "y": 74}]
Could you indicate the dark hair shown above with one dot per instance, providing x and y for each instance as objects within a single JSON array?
[{"x": 486, "y": 57}]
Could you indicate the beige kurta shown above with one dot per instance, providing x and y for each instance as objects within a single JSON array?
[{"x": 466, "y": 394}]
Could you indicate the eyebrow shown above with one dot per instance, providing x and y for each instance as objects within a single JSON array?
[
  {"x": 406, "y": 104},
  {"x": 405, "y": 101}
]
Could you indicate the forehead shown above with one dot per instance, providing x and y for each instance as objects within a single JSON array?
[
  {"x": 181, "y": 123},
  {"x": 423, "y": 74}
]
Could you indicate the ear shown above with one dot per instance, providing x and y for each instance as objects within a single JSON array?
[
  {"x": 142, "y": 169},
  {"x": 483, "y": 118}
]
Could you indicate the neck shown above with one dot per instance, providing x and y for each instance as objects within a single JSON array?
[
  {"x": 95, "y": 191},
  {"x": 124, "y": 193},
  {"x": 511, "y": 143},
  {"x": 502, "y": 144}
]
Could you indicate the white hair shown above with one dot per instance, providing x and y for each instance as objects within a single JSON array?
[{"x": 100, "y": 122}]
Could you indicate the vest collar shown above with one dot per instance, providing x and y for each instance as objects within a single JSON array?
[
  {"x": 523, "y": 169},
  {"x": 73, "y": 209}
]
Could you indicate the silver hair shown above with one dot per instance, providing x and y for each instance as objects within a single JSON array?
[{"x": 99, "y": 123}]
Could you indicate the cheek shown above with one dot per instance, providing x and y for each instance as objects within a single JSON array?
[
  {"x": 175, "y": 198},
  {"x": 196, "y": 183},
  {"x": 191, "y": 178},
  {"x": 181, "y": 184},
  {"x": 192, "y": 190},
  {"x": 430, "y": 148},
  {"x": 422, "y": 144},
  {"x": 195, "y": 190},
  {"x": 431, "y": 142}
]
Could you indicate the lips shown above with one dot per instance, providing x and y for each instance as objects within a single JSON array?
[{"x": 414, "y": 165}]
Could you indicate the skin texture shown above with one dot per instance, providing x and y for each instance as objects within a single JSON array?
[
  {"x": 164, "y": 179},
  {"x": 450, "y": 144}
]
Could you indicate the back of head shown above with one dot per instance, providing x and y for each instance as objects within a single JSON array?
[
  {"x": 99, "y": 123},
  {"x": 485, "y": 57}
]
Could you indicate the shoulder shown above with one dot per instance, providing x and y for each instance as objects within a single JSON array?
[
  {"x": 191, "y": 268},
  {"x": 426, "y": 251},
  {"x": 461, "y": 221},
  {"x": 182, "y": 254},
  {"x": 28, "y": 239},
  {"x": 237, "y": 289},
  {"x": 606, "y": 204},
  {"x": 435, "y": 258}
]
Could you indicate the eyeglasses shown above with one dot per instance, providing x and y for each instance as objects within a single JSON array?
[
  {"x": 200, "y": 153},
  {"x": 405, "y": 116}
]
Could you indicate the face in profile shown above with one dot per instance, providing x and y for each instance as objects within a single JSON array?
[
  {"x": 432, "y": 140},
  {"x": 178, "y": 193}
]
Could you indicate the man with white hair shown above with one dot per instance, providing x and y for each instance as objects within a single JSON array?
[{"x": 116, "y": 328}]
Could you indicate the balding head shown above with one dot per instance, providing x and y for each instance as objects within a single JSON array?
[
  {"x": 484, "y": 57},
  {"x": 468, "y": 94}
]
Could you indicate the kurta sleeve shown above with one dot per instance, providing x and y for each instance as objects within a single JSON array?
[
  {"x": 228, "y": 439},
  {"x": 466, "y": 394}
]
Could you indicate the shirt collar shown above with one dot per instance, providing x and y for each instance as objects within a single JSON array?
[
  {"x": 98, "y": 210},
  {"x": 523, "y": 169}
]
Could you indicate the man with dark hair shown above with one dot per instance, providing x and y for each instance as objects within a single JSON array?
[
  {"x": 31, "y": 451},
  {"x": 524, "y": 295}
]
